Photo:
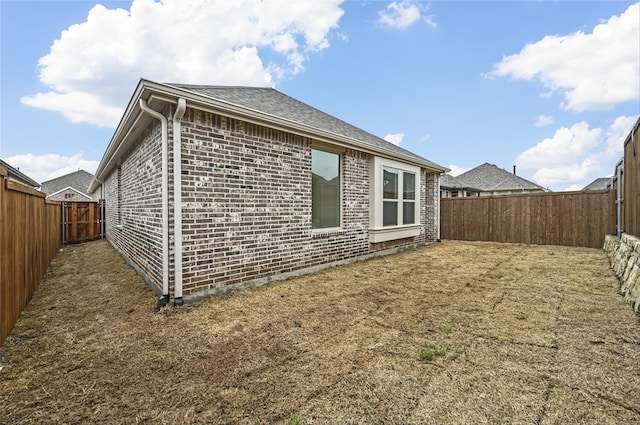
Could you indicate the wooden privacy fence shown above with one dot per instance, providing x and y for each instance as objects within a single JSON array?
[
  {"x": 564, "y": 218},
  {"x": 29, "y": 238},
  {"x": 631, "y": 183},
  {"x": 82, "y": 221}
]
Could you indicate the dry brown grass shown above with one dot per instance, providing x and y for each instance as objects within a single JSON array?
[{"x": 519, "y": 334}]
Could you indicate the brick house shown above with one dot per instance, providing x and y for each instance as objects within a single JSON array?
[
  {"x": 269, "y": 188},
  {"x": 70, "y": 187}
]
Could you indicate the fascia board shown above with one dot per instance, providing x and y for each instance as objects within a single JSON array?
[{"x": 67, "y": 188}]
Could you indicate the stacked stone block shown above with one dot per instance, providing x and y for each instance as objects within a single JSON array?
[{"x": 624, "y": 255}]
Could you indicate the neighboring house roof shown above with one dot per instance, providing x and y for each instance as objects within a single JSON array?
[
  {"x": 489, "y": 177},
  {"x": 78, "y": 180},
  {"x": 263, "y": 106},
  {"x": 17, "y": 175},
  {"x": 447, "y": 181},
  {"x": 600, "y": 183}
]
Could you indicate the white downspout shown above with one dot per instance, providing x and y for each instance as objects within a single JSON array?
[
  {"x": 165, "y": 201},
  {"x": 177, "y": 200}
]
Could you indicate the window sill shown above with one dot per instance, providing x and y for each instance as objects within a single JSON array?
[
  {"x": 326, "y": 233},
  {"x": 391, "y": 233}
]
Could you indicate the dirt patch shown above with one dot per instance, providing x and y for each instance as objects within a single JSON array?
[{"x": 456, "y": 332}]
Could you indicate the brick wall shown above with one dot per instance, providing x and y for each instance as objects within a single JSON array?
[
  {"x": 246, "y": 205},
  {"x": 134, "y": 206}
]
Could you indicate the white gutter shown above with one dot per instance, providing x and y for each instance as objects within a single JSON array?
[
  {"x": 165, "y": 202},
  {"x": 177, "y": 200}
]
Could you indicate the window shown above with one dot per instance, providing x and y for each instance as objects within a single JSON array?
[
  {"x": 395, "y": 204},
  {"x": 68, "y": 196},
  {"x": 390, "y": 197},
  {"x": 398, "y": 208},
  {"x": 408, "y": 198},
  {"x": 325, "y": 189}
]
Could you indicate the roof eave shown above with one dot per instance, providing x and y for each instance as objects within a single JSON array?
[
  {"x": 69, "y": 188},
  {"x": 164, "y": 93},
  {"x": 261, "y": 118}
]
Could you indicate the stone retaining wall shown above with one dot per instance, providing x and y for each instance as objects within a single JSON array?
[{"x": 624, "y": 256}]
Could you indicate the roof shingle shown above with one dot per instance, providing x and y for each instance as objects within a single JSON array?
[
  {"x": 272, "y": 102},
  {"x": 79, "y": 180},
  {"x": 488, "y": 177}
]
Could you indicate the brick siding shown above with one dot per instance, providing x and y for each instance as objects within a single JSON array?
[{"x": 246, "y": 196}]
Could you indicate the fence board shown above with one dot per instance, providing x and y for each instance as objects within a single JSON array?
[
  {"x": 81, "y": 221},
  {"x": 29, "y": 239},
  {"x": 631, "y": 183},
  {"x": 565, "y": 218}
]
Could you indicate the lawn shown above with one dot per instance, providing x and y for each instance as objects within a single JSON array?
[{"x": 451, "y": 333}]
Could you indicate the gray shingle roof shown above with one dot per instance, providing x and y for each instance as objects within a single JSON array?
[
  {"x": 272, "y": 102},
  {"x": 79, "y": 180},
  {"x": 448, "y": 181},
  {"x": 598, "y": 184},
  {"x": 489, "y": 177}
]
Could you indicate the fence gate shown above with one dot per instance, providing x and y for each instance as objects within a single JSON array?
[{"x": 82, "y": 221}]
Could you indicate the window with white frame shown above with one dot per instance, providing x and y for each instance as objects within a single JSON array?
[
  {"x": 395, "y": 200},
  {"x": 325, "y": 189}
]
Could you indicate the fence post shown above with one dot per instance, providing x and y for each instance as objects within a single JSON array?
[{"x": 63, "y": 209}]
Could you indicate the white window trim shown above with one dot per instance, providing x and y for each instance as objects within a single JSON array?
[{"x": 378, "y": 232}]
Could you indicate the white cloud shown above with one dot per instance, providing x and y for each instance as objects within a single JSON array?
[
  {"x": 77, "y": 107},
  {"x": 49, "y": 166},
  {"x": 402, "y": 14},
  {"x": 543, "y": 120},
  {"x": 396, "y": 139},
  {"x": 577, "y": 155},
  {"x": 456, "y": 170},
  {"x": 591, "y": 71},
  {"x": 566, "y": 176},
  {"x": 566, "y": 145},
  {"x": 573, "y": 188},
  {"x": 93, "y": 67},
  {"x": 616, "y": 134},
  {"x": 425, "y": 138}
]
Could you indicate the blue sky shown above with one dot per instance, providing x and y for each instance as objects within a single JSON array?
[{"x": 550, "y": 86}]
